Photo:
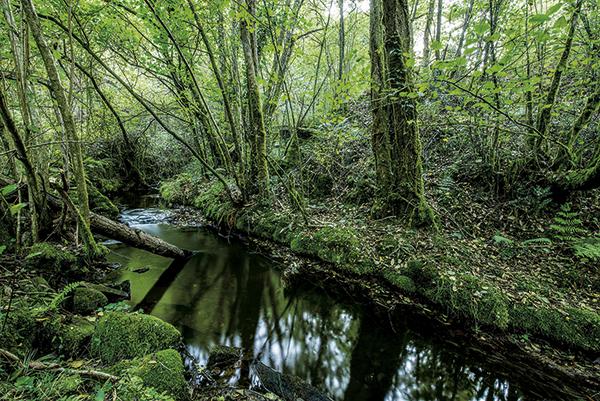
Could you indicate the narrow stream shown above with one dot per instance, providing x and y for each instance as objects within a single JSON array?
[{"x": 227, "y": 295}]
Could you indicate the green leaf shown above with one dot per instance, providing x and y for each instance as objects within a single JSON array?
[
  {"x": 9, "y": 189},
  {"x": 2, "y": 249},
  {"x": 14, "y": 209}
]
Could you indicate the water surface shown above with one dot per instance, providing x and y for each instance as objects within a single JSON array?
[{"x": 227, "y": 295}]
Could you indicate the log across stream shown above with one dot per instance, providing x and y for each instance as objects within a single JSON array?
[{"x": 226, "y": 295}]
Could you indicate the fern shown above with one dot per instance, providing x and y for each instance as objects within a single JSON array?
[
  {"x": 588, "y": 248},
  {"x": 567, "y": 226},
  {"x": 61, "y": 296}
]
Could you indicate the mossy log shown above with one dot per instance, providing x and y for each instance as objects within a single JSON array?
[{"x": 134, "y": 237}]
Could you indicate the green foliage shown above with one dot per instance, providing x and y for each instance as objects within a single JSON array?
[
  {"x": 54, "y": 262},
  {"x": 31, "y": 385},
  {"x": 587, "y": 248},
  {"x": 123, "y": 335},
  {"x": 60, "y": 298},
  {"x": 213, "y": 201},
  {"x": 100, "y": 204},
  {"x": 180, "y": 190},
  {"x": 132, "y": 388},
  {"x": 567, "y": 226},
  {"x": 103, "y": 175}
]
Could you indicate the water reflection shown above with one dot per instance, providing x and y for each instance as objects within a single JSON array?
[{"x": 225, "y": 295}]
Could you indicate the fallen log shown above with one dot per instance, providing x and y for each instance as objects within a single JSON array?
[{"x": 134, "y": 237}]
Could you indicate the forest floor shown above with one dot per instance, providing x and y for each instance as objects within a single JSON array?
[{"x": 494, "y": 268}]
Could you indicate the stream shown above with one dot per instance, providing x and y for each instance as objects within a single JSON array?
[{"x": 227, "y": 295}]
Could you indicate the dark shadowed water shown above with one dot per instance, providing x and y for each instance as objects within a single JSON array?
[{"x": 229, "y": 296}]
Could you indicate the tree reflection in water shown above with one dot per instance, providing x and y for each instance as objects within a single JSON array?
[{"x": 225, "y": 295}]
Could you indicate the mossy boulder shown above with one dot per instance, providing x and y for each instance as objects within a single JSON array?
[
  {"x": 129, "y": 335},
  {"x": 162, "y": 370},
  {"x": 75, "y": 337},
  {"x": 87, "y": 300}
]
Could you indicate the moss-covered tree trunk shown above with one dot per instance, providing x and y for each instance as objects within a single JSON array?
[
  {"x": 396, "y": 140},
  {"x": 256, "y": 131}
]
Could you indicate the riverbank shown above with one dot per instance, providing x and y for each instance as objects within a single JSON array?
[
  {"x": 74, "y": 335},
  {"x": 512, "y": 294}
]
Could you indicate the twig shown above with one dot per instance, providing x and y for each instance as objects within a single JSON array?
[{"x": 55, "y": 367}]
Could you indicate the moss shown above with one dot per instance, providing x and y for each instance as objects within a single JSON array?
[
  {"x": 338, "y": 245},
  {"x": 404, "y": 283},
  {"x": 463, "y": 295},
  {"x": 56, "y": 264},
  {"x": 122, "y": 335},
  {"x": 101, "y": 204},
  {"x": 180, "y": 190},
  {"x": 132, "y": 388},
  {"x": 576, "y": 327},
  {"x": 75, "y": 337},
  {"x": 19, "y": 324},
  {"x": 164, "y": 371},
  {"x": 468, "y": 296},
  {"x": 88, "y": 300},
  {"x": 215, "y": 203}
]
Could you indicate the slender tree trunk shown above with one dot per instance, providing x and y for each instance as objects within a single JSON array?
[
  {"x": 463, "y": 31},
  {"x": 545, "y": 113},
  {"x": 438, "y": 29},
  {"x": 59, "y": 95},
  {"x": 36, "y": 190},
  {"x": 427, "y": 33},
  {"x": 342, "y": 42}
]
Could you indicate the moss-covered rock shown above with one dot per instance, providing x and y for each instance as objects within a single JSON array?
[
  {"x": 163, "y": 370},
  {"x": 222, "y": 356},
  {"x": 129, "y": 335},
  {"x": 87, "y": 300},
  {"x": 75, "y": 337}
]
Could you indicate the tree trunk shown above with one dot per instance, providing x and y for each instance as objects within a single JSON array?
[
  {"x": 404, "y": 191},
  {"x": 427, "y": 33},
  {"x": 259, "y": 172},
  {"x": 546, "y": 109},
  {"x": 65, "y": 113},
  {"x": 134, "y": 237}
]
